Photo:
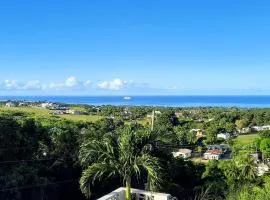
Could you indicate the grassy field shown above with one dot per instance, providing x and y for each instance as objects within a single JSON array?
[
  {"x": 245, "y": 139},
  {"x": 45, "y": 113},
  {"x": 39, "y": 112},
  {"x": 84, "y": 118}
]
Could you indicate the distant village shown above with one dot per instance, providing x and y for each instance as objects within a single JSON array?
[{"x": 56, "y": 108}]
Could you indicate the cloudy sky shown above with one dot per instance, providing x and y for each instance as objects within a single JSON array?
[{"x": 134, "y": 47}]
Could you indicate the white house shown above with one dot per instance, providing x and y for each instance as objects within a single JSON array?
[
  {"x": 260, "y": 128},
  {"x": 46, "y": 105},
  {"x": 212, "y": 155},
  {"x": 10, "y": 104},
  {"x": 182, "y": 153},
  {"x": 245, "y": 130},
  {"x": 224, "y": 135}
]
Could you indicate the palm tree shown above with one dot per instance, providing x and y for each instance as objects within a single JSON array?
[
  {"x": 248, "y": 168},
  {"x": 125, "y": 154}
]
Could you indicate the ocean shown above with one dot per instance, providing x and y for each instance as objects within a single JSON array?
[{"x": 172, "y": 101}]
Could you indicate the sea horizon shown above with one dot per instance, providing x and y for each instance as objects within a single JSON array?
[{"x": 243, "y": 101}]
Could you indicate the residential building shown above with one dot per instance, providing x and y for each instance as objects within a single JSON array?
[
  {"x": 245, "y": 130},
  {"x": 212, "y": 154},
  {"x": 46, "y": 105},
  {"x": 10, "y": 104},
  {"x": 182, "y": 153},
  {"x": 260, "y": 128},
  {"x": 224, "y": 135}
]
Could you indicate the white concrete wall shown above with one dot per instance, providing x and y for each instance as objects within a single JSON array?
[{"x": 119, "y": 194}]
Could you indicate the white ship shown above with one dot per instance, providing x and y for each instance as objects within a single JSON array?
[{"x": 127, "y": 98}]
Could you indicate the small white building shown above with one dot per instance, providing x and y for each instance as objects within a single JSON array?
[
  {"x": 224, "y": 135},
  {"x": 46, "y": 105},
  {"x": 245, "y": 130},
  {"x": 260, "y": 128},
  {"x": 182, "y": 153},
  {"x": 10, "y": 104},
  {"x": 212, "y": 155}
]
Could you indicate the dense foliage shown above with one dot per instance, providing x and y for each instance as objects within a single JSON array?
[{"x": 53, "y": 158}]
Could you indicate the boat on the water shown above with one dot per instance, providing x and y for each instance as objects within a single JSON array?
[{"x": 127, "y": 98}]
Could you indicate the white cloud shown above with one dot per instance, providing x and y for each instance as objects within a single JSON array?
[
  {"x": 71, "y": 82},
  {"x": 116, "y": 84},
  {"x": 87, "y": 84},
  {"x": 10, "y": 84},
  {"x": 33, "y": 85}
]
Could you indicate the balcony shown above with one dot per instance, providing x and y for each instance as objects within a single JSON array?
[{"x": 119, "y": 194}]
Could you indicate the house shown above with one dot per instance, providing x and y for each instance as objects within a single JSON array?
[
  {"x": 260, "y": 128},
  {"x": 10, "y": 104},
  {"x": 245, "y": 130},
  {"x": 224, "y": 135},
  {"x": 223, "y": 148},
  {"x": 182, "y": 153},
  {"x": 212, "y": 154},
  {"x": 46, "y": 105}
]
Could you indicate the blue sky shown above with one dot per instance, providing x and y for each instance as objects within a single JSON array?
[{"x": 142, "y": 47}]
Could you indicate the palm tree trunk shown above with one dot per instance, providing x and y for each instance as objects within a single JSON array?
[{"x": 128, "y": 189}]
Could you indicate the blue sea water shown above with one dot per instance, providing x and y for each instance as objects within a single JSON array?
[{"x": 174, "y": 101}]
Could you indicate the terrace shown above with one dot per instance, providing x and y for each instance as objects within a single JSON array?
[{"x": 119, "y": 194}]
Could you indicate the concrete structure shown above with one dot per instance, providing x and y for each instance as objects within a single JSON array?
[
  {"x": 182, "y": 153},
  {"x": 119, "y": 194}
]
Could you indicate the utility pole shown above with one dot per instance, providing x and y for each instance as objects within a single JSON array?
[{"x": 153, "y": 120}]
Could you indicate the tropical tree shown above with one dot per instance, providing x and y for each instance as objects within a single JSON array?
[{"x": 125, "y": 154}]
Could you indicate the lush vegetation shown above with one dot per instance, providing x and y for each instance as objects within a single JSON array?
[{"x": 43, "y": 156}]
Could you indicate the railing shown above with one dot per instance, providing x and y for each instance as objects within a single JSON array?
[{"x": 119, "y": 194}]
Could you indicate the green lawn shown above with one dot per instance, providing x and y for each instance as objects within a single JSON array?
[{"x": 245, "y": 139}]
